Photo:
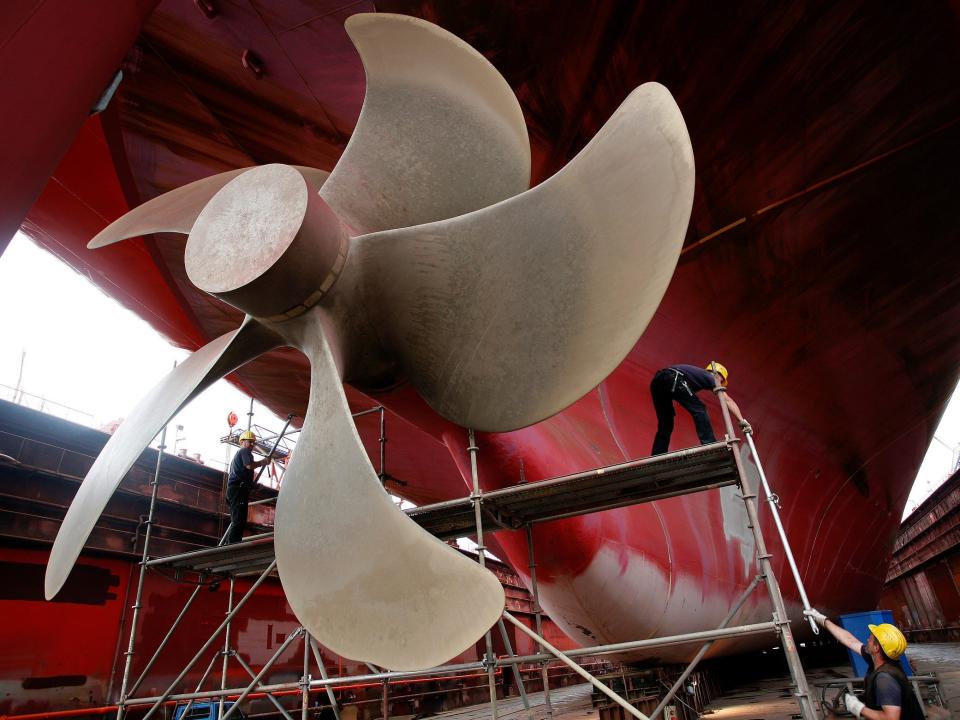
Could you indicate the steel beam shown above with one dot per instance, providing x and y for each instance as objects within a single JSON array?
[
  {"x": 276, "y": 703},
  {"x": 703, "y": 650},
  {"x": 477, "y": 497},
  {"x": 576, "y": 668},
  {"x": 159, "y": 701},
  {"x": 537, "y": 614},
  {"x": 128, "y": 662},
  {"x": 781, "y": 618},
  {"x": 166, "y": 639},
  {"x": 318, "y": 658},
  {"x": 255, "y": 683}
]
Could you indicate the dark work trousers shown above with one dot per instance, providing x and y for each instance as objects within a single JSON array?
[
  {"x": 238, "y": 495},
  {"x": 665, "y": 388}
]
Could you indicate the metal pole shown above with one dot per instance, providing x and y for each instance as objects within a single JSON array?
[
  {"x": 516, "y": 668},
  {"x": 368, "y": 411},
  {"x": 577, "y": 669},
  {"x": 739, "y": 631},
  {"x": 290, "y": 417},
  {"x": 166, "y": 639},
  {"x": 262, "y": 501},
  {"x": 206, "y": 646},
  {"x": 384, "y": 708},
  {"x": 226, "y": 647},
  {"x": 203, "y": 679},
  {"x": 537, "y": 612},
  {"x": 489, "y": 659},
  {"x": 701, "y": 635},
  {"x": 276, "y": 444},
  {"x": 703, "y": 649},
  {"x": 772, "y": 500},
  {"x": 128, "y": 662},
  {"x": 276, "y": 703},
  {"x": 385, "y": 700},
  {"x": 263, "y": 671},
  {"x": 305, "y": 699},
  {"x": 318, "y": 657},
  {"x": 250, "y": 415},
  {"x": 17, "y": 392},
  {"x": 780, "y": 616},
  {"x": 383, "y": 444}
]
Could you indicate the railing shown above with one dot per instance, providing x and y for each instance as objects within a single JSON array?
[{"x": 41, "y": 404}]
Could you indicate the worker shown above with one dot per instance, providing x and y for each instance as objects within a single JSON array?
[
  {"x": 682, "y": 383},
  {"x": 239, "y": 484},
  {"x": 887, "y": 692}
]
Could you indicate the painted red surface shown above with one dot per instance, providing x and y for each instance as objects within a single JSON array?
[
  {"x": 820, "y": 264},
  {"x": 69, "y": 653},
  {"x": 923, "y": 581},
  {"x": 58, "y": 57}
]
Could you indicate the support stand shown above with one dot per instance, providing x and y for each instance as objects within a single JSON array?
[
  {"x": 780, "y": 617},
  {"x": 489, "y": 659},
  {"x": 512, "y": 508},
  {"x": 128, "y": 661},
  {"x": 537, "y": 613}
]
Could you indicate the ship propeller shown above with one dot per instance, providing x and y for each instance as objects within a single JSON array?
[{"x": 424, "y": 256}]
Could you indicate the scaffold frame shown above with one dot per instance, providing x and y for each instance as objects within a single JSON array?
[{"x": 510, "y": 508}]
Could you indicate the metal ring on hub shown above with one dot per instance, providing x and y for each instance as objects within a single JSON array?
[{"x": 267, "y": 244}]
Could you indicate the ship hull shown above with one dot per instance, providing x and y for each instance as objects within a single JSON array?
[{"x": 819, "y": 267}]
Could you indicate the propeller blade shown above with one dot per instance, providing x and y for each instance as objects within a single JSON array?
[
  {"x": 505, "y": 316},
  {"x": 177, "y": 210},
  {"x": 362, "y": 577},
  {"x": 440, "y": 132},
  {"x": 193, "y": 375}
]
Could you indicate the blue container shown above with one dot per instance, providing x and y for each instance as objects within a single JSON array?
[{"x": 857, "y": 623}]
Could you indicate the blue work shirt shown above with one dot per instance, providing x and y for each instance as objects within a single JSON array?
[
  {"x": 697, "y": 378},
  {"x": 239, "y": 473}
]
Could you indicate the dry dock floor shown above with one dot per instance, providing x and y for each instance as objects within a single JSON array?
[
  {"x": 569, "y": 703},
  {"x": 768, "y": 699}
]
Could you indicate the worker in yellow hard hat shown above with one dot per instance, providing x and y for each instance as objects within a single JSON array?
[
  {"x": 887, "y": 692},
  {"x": 239, "y": 484},
  {"x": 680, "y": 384}
]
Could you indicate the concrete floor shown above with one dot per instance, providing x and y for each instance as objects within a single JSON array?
[
  {"x": 569, "y": 703},
  {"x": 768, "y": 699}
]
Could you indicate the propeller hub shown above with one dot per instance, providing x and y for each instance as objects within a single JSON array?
[{"x": 267, "y": 244}]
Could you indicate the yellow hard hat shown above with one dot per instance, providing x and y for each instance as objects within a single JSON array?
[
  {"x": 247, "y": 435},
  {"x": 714, "y": 366},
  {"x": 890, "y": 638}
]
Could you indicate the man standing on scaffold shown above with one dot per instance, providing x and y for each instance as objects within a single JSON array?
[
  {"x": 239, "y": 485},
  {"x": 681, "y": 383}
]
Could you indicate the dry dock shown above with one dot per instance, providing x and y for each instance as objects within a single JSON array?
[{"x": 767, "y": 699}]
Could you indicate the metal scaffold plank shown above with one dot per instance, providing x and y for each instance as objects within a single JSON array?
[{"x": 685, "y": 471}]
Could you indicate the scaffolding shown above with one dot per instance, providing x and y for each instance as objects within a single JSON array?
[{"x": 520, "y": 507}]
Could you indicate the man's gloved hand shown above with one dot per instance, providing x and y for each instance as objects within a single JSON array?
[
  {"x": 746, "y": 427},
  {"x": 853, "y": 705},
  {"x": 816, "y": 615}
]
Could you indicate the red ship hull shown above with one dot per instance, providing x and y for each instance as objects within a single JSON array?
[{"x": 820, "y": 265}]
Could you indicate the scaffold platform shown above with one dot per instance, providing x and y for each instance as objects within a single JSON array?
[{"x": 512, "y": 508}]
